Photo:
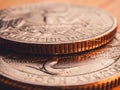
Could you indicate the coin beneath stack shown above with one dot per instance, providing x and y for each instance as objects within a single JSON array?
[
  {"x": 98, "y": 69},
  {"x": 50, "y": 29}
]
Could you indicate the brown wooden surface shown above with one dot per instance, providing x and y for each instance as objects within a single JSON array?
[{"x": 111, "y": 6}]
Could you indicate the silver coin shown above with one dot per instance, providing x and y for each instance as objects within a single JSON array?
[
  {"x": 90, "y": 69},
  {"x": 62, "y": 26},
  {"x": 44, "y": 22}
]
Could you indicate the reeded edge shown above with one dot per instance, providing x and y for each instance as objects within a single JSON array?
[
  {"x": 57, "y": 49},
  {"x": 61, "y": 48},
  {"x": 105, "y": 84}
]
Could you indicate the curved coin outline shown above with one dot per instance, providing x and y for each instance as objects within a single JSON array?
[
  {"x": 106, "y": 78},
  {"x": 61, "y": 47}
]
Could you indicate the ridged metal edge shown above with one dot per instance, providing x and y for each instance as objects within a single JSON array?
[
  {"x": 102, "y": 85},
  {"x": 56, "y": 49}
]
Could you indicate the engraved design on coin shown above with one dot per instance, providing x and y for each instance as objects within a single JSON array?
[
  {"x": 53, "y": 23},
  {"x": 100, "y": 64},
  {"x": 53, "y": 29}
]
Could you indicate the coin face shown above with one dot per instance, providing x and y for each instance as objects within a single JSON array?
[
  {"x": 91, "y": 69},
  {"x": 53, "y": 24},
  {"x": 58, "y": 25}
]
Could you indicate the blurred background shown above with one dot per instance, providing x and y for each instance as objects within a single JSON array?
[{"x": 111, "y": 6}]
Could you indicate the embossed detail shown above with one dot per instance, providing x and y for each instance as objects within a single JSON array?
[
  {"x": 56, "y": 26},
  {"x": 51, "y": 21},
  {"x": 97, "y": 67}
]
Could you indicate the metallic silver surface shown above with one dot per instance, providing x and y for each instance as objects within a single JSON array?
[
  {"x": 55, "y": 28},
  {"x": 95, "y": 68}
]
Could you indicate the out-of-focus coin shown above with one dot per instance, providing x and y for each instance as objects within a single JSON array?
[
  {"x": 55, "y": 28},
  {"x": 98, "y": 69}
]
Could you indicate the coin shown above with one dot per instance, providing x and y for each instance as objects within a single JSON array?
[
  {"x": 51, "y": 29},
  {"x": 98, "y": 69}
]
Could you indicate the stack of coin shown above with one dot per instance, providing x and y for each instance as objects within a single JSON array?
[{"x": 58, "y": 47}]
